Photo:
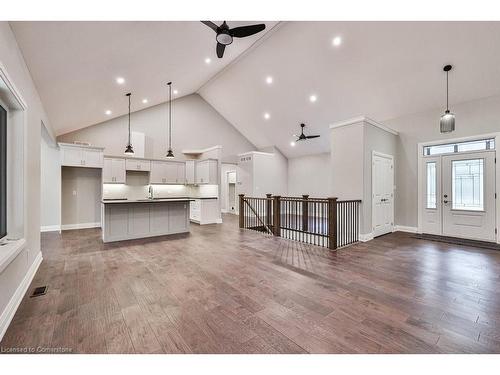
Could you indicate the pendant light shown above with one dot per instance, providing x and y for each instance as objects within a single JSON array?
[
  {"x": 129, "y": 149},
  {"x": 170, "y": 154},
  {"x": 447, "y": 123}
]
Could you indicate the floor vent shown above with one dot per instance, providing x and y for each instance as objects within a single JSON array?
[{"x": 39, "y": 291}]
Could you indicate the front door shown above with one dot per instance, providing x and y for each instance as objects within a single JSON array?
[
  {"x": 382, "y": 194},
  {"x": 468, "y": 195},
  {"x": 459, "y": 195}
]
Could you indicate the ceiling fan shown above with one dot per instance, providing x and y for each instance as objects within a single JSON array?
[
  {"x": 302, "y": 136},
  {"x": 225, "y": 35}
]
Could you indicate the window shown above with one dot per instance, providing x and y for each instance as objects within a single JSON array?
[
  {"x": 431, "y": 185},
  {"x": 449, "y": 148},
  {"x": 468, "y": 184}
]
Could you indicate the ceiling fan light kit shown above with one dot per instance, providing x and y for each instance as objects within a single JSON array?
[
  {"x": 302, "y": 136},
  {"x": 447, "y": 122},
  {"x": 224, "y": 35}
]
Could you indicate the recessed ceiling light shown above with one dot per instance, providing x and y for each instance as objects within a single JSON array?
[
  {"x": 120, "y": 80},
  {"x": 292, "y": 144},
  {"x": 269, "y": 80},
  {"x": 108, "y": 112},
  {"x": 176, "y": 92},
  {"x": 267, "y": 116},
  {"x": 144, "y": 101},
  {"x": 337, "y": 41},
  {"x": 313, "y": 98},
  {"x": 208, "y": 60}
]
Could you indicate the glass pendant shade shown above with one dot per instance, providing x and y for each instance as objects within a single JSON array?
[
  {"x": 170, "y": 154},
  {"x": 129, "y": 150},
  {"x": 447, "y": 123}
]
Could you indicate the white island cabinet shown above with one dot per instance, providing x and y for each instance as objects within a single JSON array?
[{"x": 126, "y": 220}]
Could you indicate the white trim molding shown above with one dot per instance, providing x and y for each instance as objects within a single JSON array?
[
  {"x": 403, "y": 228},
  {"x": 50, "y": 228},
  {"x": 201, "y": 151},
  {"x": 366, "y": 237},
  {"x": 357, "y": 120},
  {"x": 80, "y": 226},
  {"x": 15, "y": 301}
]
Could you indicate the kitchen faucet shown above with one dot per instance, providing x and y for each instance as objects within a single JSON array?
[{"x": 150, "y": 192}]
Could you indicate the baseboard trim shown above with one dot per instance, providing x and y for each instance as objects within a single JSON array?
[
  {"x": 366, "y": 237},
  {"x": 80, "y": 226},
  {"x": 50, "y": 228},
  {"x": 402, "y": 228},
  {"x": 11, "y": 308}
]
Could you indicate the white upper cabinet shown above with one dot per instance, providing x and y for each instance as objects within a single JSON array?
[
  {"x": 158, "y": 173},
  {"x": 114, "y": 171},
  {"x": 206, "y": 172},
  {"x": 167, "y": 172},
  {"x": 171, "y": 170},
  {"x": 138, "y": 165},
  {"x": 81, "y": 156}
]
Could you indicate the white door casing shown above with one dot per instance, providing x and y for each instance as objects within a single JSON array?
[
  {"x": 478, "y": 222},
  {"x": 382, "y": 193}
]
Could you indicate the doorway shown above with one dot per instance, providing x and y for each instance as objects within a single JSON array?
[
  {"x": 232, "y": 202},
  {"x": 458, "y": 197},
  {"x": 382, "y": 193}
]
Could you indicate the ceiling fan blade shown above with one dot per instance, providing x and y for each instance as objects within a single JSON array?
[
  {"x": 210, "y": 24},
  {"x": 312, "y": 136},
  {"x": 220, "y": 50},
  {"x": 243, "y": 31}
]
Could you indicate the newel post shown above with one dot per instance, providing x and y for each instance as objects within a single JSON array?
[
  {"x": 305, "y": 213},
  {"x": 241, "y": 212},
  {"x": 277, "y": 215},
  {"x": 332, "y": 223}
]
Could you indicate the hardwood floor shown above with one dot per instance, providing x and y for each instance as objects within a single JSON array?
[{"x": 222, "y": 290}]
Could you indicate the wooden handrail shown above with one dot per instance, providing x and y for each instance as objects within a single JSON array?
[{"x": 319, "y": 221}]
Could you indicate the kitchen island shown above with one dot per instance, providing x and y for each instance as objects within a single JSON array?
[{"x": 124, "y": 219}]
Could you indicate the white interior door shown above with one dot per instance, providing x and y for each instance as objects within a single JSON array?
[
  {"x": 382, "y": 194},
  {"x": 468, "y": 195}
]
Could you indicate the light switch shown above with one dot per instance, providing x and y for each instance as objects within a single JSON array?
[{"x": 74, "y": 192}]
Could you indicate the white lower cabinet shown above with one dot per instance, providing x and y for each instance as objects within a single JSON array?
[
  {"x": 125, "y": 221},
  {"x": 139, "y": 222},
  {"x": 205, "y": 211}
]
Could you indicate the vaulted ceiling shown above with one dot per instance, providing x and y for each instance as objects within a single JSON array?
[
  {"x": 75, "y": 64},
  {"x": 380, "y": 69}
]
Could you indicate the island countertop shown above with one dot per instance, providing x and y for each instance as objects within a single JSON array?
[{"x": 146, "y": 200}]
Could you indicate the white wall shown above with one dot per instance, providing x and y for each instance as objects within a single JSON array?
[
  {"x": 50, "y": 179},
  {"x": 347, "y": 161},
  {"x": 472, "y": 118},
  {"x": 11, "y": 279},
  {"x": 352, "y": 148},
  {"x": 81, "y": 197},
  {"x": 310, "y": 175},
  {"x": 196, "y": 125}
]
